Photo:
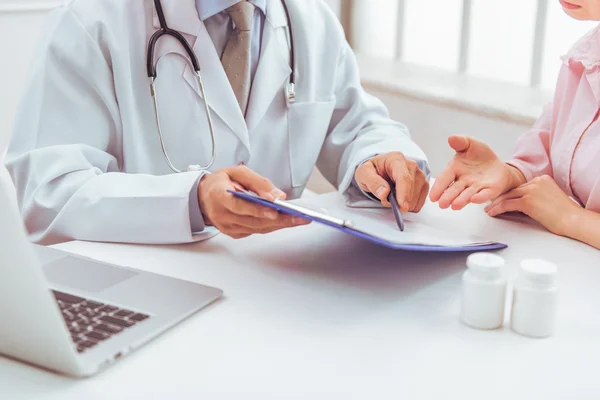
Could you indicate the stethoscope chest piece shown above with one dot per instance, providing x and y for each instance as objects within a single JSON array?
[{"x": 195, "y": 168}]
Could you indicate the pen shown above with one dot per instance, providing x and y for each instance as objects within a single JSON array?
[{"x": 395, "y": 207}]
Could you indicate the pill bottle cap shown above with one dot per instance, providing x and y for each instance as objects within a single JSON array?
[
  {"x": 538, "y": 272},
  {"x": 486, "y": 265}
]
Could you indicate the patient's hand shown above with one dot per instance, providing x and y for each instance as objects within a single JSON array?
[
  {"x": 475, "y": 175},
  {"x": 543, "y": 200}
]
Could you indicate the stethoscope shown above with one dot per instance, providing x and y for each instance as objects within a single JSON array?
[{"x": 164, "y": 30}]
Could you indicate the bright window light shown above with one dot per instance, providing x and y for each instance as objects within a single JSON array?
[
  {"x": 375, "y": 27},
  {"x": 501, "y": 40},
  {"x": 432, "y": 32},
  {"x": 502, "y": 35}
]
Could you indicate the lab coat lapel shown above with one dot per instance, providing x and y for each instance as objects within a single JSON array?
[
  {"x": 274, "y": 66},
  {"x": 220, "y": 94},
  {"x": 182, "y": 16}
]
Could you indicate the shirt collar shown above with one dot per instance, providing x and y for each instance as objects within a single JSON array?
[
  {"x": 586, "y": 51},
  {"x": 209, "y": 8}
]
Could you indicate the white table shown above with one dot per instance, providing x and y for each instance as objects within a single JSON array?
[{"x": 312, "y": 313}]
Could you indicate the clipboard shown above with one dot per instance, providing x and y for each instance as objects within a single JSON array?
[{"x": 347, "y": 226}]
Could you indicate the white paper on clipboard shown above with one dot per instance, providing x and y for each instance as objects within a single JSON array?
[{"x": 380, "y": 222}]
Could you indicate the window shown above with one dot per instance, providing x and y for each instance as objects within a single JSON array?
[
  {"x": 501, "y": 39},
  {"x": 517, "y": 41},
  {"x": 435, "y": 42}
]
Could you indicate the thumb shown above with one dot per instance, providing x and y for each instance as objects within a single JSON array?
[
  {"x": 370, "y": 181},
  {"x": 460, "y": 144},
  {"x": 255, "y": 183}
]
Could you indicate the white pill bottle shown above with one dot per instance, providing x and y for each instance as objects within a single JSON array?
[
  {"x": 483, "y": 296},
  {"x": 535, "y": 299}
]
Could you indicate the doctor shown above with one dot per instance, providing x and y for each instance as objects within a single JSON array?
[{"x": 86, "y": 157}]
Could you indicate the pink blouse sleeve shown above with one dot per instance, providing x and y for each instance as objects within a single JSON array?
[{"x": 532, "y": 153}]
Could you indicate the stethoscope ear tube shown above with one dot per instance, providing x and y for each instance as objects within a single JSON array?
[
  {"x": 292, "y": 52},
  {"x": 164, "y": 30},
  {"x": 150, "y": 67}
]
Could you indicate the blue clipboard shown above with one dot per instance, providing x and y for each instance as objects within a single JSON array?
[{"x": 345, "y": 226}]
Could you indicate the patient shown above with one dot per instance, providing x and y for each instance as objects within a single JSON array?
[{"x": 554, "y": 176}]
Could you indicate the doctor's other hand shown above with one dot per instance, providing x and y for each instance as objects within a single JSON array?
[
  {"x": 235, "y": 217},
  {"x": 411, "y": 183},
  {"x": 475, "y": 175}
]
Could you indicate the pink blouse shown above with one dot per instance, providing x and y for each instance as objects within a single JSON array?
[{"x": 565, "y": 142}]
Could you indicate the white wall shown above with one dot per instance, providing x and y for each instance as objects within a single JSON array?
[{"x": 20, "y": 21}]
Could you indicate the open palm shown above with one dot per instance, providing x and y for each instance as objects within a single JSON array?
[{"x": 475, "y": 175}]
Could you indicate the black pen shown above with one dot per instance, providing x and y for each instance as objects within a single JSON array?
[{"x": 395, "y": 207}]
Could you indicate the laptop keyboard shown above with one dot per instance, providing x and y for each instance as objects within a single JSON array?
[{"x": 92, "y": 322}]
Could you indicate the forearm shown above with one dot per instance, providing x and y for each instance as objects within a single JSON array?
[
  {"x": 585, "y": 227},
  {"x": 360, "y": 128},
  {"x": 84, "y": 204}
]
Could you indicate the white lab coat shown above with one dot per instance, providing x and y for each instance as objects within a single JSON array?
[{"x": 85, "y": 156}]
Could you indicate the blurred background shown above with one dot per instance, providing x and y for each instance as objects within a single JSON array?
[
  {"x": 501, "y": 37},
  {"x": 482, "y": 68}
]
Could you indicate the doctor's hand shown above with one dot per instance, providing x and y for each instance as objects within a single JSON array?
[
  {"x": 235, "y": 217},
  {"x": 475, "y": 175},
  {"x": 411, "y": 183}
]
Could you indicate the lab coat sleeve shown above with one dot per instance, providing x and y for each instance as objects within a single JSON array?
[
  {"x": 65, "y": 154},
  {"x": 360, "y": 128},
  {"x": 532, "y": 152},
  {"x": 196, "y": 218}
]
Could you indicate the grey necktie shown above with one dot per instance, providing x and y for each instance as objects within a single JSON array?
[{"x": 236, "y": 58}]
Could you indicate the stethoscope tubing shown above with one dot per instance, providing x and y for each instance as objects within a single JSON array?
[{"x": 152, "y": 75}]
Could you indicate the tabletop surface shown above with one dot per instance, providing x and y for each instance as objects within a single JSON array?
[{"x": 314, "y": 313}]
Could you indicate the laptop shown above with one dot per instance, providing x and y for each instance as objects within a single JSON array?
[{"x": 76, "y": 316}]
